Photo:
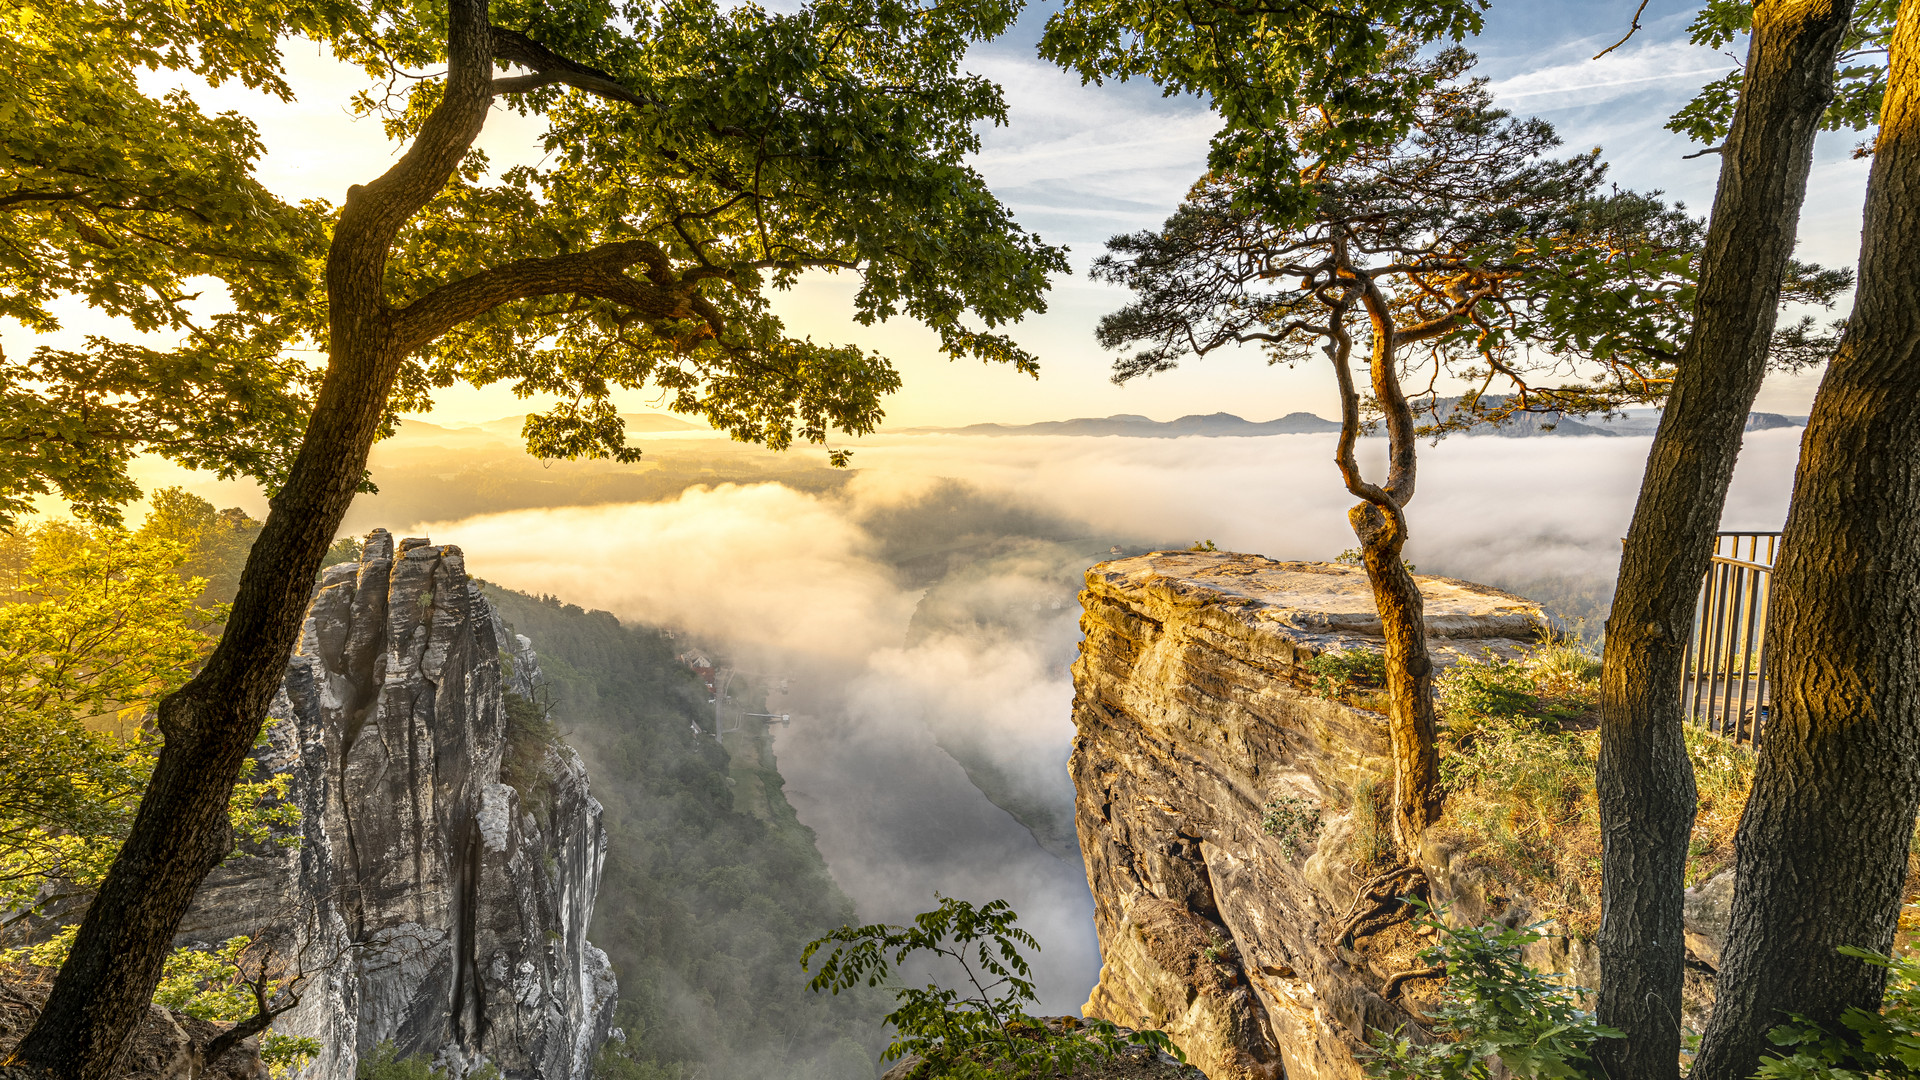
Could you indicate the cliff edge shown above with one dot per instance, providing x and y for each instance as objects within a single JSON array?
[
  {"x": 1193, "y": 724},
  {"x": 430, "y": 902}
]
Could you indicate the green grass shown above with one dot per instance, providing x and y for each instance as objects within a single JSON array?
[{"x": 1518, "y": 758}]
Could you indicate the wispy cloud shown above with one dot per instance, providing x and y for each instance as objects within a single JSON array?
[{"x": 1632, "y": 70}]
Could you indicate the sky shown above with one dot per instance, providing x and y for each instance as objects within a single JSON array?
[{"x": 1082, "y": 163}]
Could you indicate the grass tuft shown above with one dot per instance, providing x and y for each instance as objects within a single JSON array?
[{"x": 1518, "y": 757}]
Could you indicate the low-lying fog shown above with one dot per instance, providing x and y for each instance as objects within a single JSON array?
[{"x": 923, "y": 611}]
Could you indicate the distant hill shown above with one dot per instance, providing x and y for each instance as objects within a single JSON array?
[
  {"x": 1140, "y": 427},
  {"x": 1629, "y": 422}
]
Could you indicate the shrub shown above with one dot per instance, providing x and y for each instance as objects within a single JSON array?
[
  {"x": 1373, "y": 843},
  {"x": 1521, "y": 783},
  {"x": 209, "y": 984},
  {"x": 1352, "y": 557},
  {"x": 528, "y": 736},
  {"x": 983, "y": 1032},
  {"x": 1338, "y": 672},
  {"x": 1291, "y": 818},
  {"x": 1550, "y": 686},
  {"x": 1886, "y": 1043},
  {"x": 385, "y": 1063},
  {"x": 1494, "y": 1008}
]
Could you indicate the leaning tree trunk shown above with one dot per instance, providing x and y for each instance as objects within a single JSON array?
[
  {"x": 181, "y": 830},
  {"x": 1824, "y": 840},
  {"x": 1411, "y": 721},
  {"x": 1645, "y": 785}
]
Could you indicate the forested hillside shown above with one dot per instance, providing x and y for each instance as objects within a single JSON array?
[{"x": 706, "y": 901}]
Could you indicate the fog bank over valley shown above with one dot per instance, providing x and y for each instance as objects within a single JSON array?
[{"x": 921, "y": 607}]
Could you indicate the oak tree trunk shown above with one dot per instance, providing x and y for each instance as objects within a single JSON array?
[
  {"x": 1645, "y": 784},
  {"x": 181, "y": 830},
  {"x": 1823, "y": 844}
]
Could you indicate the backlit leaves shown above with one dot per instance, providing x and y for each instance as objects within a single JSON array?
[
  {"x": 1262, "y": 64},
  {"x": 1860, "y": 78}
]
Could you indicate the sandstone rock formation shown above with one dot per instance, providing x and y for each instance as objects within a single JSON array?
[
  {"x": 427, "y": 903},
  {"x": 1192, "y": 719}
]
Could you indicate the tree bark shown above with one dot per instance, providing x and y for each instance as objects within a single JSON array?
[
  {"x": 1645, "y": 784},
  {"x": 181, "y": 830},
  {"x": 1380, "y": 523},
  {"x": 1823, "y": 843}
]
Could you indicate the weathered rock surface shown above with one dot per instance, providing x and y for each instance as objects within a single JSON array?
[
  {"x": 1191, "y": 717},
  {"x": 428, "y": 903}
]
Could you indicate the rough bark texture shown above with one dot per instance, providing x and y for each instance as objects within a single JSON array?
[
  {"x": 1823, "y": 844},
  {"x": 1416, "y": 754},
  {"x": 1646, "y": 789},
  {"x": 181, "y": 831},
  {"x": 1380, "y": 523},
  {"x": 1191, "y": 717}
]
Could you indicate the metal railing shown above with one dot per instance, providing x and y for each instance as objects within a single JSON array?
[{"x": 1725, "y": 685}]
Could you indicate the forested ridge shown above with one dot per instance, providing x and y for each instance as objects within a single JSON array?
[{"x": 705, "y": 903}]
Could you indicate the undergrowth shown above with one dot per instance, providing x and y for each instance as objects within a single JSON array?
[
  {"x": 1517, "y": 757},
  {"x": 1291, "y": 818},
  {"x": 1355, "y": 676}
]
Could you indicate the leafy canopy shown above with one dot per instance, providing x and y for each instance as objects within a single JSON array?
[
  {"x": 694, "y": 157},
  {"x": 1264, "y": 63},
  {"x": 146, "y": 209},
  {"x": 1494, "y": 1008},
  {"x": 1496, "y": 260},
  {"x": 1860, "y": 76},
  {"x": 95, "y": 626},
  {"x": 982, "y": 1030}
]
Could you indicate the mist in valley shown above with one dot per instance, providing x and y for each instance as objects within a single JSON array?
[{"x": 921, "y": 608}]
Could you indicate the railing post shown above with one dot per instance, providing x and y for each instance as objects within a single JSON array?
[{"x": 1729, "y": 638}]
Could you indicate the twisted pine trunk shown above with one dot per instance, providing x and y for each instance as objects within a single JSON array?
[
  {"x": 1412, "y": 723},
  {"x": 1645, "y": 784},
  {"x": 1824, "y": 840},
  {"x": 1380, "y": 523}
]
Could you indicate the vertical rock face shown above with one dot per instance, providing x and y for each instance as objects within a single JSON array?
[
  {"x": 427, "y": 903},
  {"x": 1193, "y": 719}
]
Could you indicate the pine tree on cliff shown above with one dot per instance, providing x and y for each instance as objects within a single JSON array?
[
  {"x": 695, "y": 155},
  {"x": 1259, "y": 62},
  {"x": 1451, "y": 250}
]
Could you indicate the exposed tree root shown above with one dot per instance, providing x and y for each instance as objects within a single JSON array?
[
  {"x": 1393, "y": 984},
  {"x": 1378, "y": 904}
]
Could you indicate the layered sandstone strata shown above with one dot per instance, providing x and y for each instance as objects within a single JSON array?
[{"x": 1193, "y": 718}]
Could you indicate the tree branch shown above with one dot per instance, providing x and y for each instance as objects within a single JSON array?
[
  {"x": 598, "y": 272},
  {"x": 514, "y": 47},
  {"x": 1632, "y": 30}
]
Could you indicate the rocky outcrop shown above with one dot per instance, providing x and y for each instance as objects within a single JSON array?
[
  {"x": 1193, "y": 721},
  {"x": 427, "y": 902}
]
